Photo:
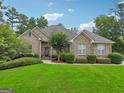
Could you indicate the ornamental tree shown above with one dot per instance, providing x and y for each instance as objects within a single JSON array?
[{"x": 58, "y": 41}]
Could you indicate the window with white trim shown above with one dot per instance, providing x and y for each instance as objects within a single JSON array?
[
  {"x": 81, "y": 49},
  {"x": 100, "y": 49}
]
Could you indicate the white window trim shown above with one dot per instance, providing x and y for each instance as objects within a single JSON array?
[
  {"x": 79, "y": 54},
  {"x": 101, "y": 50}
]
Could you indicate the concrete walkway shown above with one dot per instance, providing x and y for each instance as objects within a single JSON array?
[
  {"x": 50, "y": 62},
  {"x": 47, "y": 62},
  {"x": 123, "y": 63}
]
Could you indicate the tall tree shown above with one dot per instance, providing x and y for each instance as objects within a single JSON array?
[
  {"x": 42, "y": 22},
  {"x": 109, "y": 27},
  {"x": 2, "y": 11},
  {"x": 23, "y": 23},
  {"x": 31, "y": 23},
  {"x": 58, "y": 41},
  {"x": 12, "y": 17}
]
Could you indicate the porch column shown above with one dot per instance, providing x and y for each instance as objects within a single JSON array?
[
  {"x": 51, "y": 52},
  {"x": 40, "y": 48}
]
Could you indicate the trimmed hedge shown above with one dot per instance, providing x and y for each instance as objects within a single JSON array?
[
  {"x": 103, "y": 60},
  {"x": 81, "y": 60},
  {"x": 26, "y": 55},
  {"x": 116, "y": 58},
  {"x": 67, "y": 57},
  {"x": 2, "y": 62},
  {"x": 91, "y": 58},
  {"x": 20, "y": 62}
]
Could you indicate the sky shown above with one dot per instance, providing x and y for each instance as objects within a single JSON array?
[{"x": 71, "y": 13}]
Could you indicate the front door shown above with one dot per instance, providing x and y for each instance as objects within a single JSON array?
[{"x": 46, "y": 51}]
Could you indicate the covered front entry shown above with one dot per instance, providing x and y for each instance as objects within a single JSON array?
[{"x": 46, "y": 51}]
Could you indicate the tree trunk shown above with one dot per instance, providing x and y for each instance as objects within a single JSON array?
[{"x": 58, "y": 54}]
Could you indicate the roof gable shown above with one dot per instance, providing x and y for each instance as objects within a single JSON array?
[{"x": 44, "y": 33}]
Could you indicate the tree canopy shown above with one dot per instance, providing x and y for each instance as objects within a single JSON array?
[
  {"x": 58, "y": 41},
  {"x": 19, "y": 22},
  {"x": 109, "y": 27},
  {"x": 10, "y": 45}
]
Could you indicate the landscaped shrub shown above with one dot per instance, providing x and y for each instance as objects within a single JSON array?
[
  {"x": 26, "y": 55},
  {"x": 20, "y": 62},
  {"x": 67, "y": 57},
  {"x": 62, "y": 57},
  {"x": 103, "y": 60},
  {"x": 54, "y": 57},
  {"x": 2, "y": 62},
  {"x": 81, "y": 60},
  {"x": 91, "y": 58},
  {"x": 116, "y": 58}
]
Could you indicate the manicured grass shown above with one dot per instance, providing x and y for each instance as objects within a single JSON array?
[{"x": 44, "y": 78}]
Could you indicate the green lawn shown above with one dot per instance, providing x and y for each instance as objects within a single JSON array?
[{"x": 44, "y": 78}]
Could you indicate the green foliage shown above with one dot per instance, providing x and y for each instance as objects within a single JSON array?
[
  {"x": 91, "y": 58},
  {"x": 12, "y": 16},
  {"x": 111, "y": 28},
  {"x": 105, "y": 29},
  {"x": 23, "y": 24},
  {"x": 31, "y": 23},
  {"x": 26, "y": 55},
  {"x": 58, "y": 40},
  {"x": 2, "y": 62},
  {"x": 42, "y": 22},
  {"x": 116, "y": 58},
  {"x": 81, "y": 60},
  {"x": 10, "y": 45},
  {"x": 67, "y": 57},
  {"x": 103, "y": 60},
  {"x": 54, "y": 57},
  {"x": 19, "y": 62}
]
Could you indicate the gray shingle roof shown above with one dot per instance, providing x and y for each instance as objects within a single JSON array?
[
  {"x": 56, "y": 28},
  {"x": 96, "y": 38},
  {"x": 71, "y": 34}
]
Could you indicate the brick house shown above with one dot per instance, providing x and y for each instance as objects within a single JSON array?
[{"x": 80, "y": 44}]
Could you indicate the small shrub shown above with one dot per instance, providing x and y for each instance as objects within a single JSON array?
[
  {"x": 67, "y": 57},
  {"x": 81, "y": 60},
  {"x": 62, "y": 57},
  {"x": 54, "y": 57},
  {"x": 116, "y": 58},
  {"x": 91, "y": 58},
  {"x": 20, "y": 62},
  {"x": 103, "y": 60}
]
